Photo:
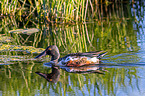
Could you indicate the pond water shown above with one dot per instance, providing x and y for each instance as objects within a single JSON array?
[{"x": 121, "y": 72}]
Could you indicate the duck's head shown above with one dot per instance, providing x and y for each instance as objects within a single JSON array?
[{"x": 52, "y": 51}]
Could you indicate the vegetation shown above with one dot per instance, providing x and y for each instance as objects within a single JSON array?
[
  {"x": 27, "y": 27},
  {"x": 107, "y": 29},
  {"x": 62, "y": 11}
]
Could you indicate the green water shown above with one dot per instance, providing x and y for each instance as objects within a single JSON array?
[{"x": 121, "y": 72}]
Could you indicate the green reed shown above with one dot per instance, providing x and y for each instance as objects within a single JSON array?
[
  {"x": 60, "y": 11},
  {"x": 111, "y": 36},
  {"x": 110, "y": 33}
]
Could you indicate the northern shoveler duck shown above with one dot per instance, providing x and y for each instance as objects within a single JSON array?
[{"x": 73, "y": 59}]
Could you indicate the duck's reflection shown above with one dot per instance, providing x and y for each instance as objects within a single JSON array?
[
  {"x": 55, "y": 74},
  {"x": 84, "y": 69},
  {"x": 51, "y": 77}
]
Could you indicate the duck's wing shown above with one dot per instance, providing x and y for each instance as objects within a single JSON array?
[
  {"x": 93, "y": 53},
  {"x": 98, "y": 54},
  {"x": 89, "y": 54}
]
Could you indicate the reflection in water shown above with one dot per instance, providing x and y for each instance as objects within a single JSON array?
[
  {"x": 85, "y": 69},
  {"x": 55, "y": 74},
  {"x": 92, "y": 68},
  {"x": 51, "y": 77}
]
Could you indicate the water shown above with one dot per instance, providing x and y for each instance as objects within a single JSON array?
[{"x": 121, "y": 72}]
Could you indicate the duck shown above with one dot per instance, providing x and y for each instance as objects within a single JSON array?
[{"x": 73, "y": 59}]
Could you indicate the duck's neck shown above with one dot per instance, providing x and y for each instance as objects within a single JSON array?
[{"x": 55, "y": 57}]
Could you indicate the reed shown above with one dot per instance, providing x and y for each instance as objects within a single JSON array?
[
  {"x": 60, "y": 11},
  {"x": 112, "y": 36},
  {"x": 109, "y": 36}
]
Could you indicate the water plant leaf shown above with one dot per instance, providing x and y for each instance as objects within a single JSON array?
[{"x": 25, "y": 31}]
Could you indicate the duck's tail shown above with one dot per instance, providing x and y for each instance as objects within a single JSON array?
[{"x": 101, "y": 55}]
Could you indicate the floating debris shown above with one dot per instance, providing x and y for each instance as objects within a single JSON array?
[{"x": 25, "y": 31}]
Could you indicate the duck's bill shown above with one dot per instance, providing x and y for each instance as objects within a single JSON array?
[{"x": 41, "y": 55}]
